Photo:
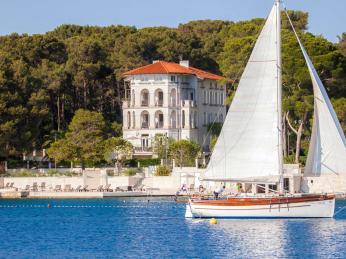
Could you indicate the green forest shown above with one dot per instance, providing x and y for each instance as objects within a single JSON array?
[{"x": 46, "y": 78}]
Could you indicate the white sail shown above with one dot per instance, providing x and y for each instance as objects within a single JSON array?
[
  {"x": 327, "y": 150},
  {"x": 249, "y": 146}
]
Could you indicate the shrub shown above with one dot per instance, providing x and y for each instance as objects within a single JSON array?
[
  {"x": 142, "y": 162},
  {"x": 162, "y": 170},
  {"x": 130, "y": 172},
  {"x": 24, "y": 173}
]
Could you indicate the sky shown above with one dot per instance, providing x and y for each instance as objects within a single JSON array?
[{"x": 40, "y": 16}]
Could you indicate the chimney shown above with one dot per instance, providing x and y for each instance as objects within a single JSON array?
[
  {"x": 184, "y": 63},
  {"x": 155, "y": 61}
]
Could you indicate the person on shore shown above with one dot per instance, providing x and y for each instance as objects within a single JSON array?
[
  {"x": 201, "y": 189},
  {"x": 218, "y": 192}
]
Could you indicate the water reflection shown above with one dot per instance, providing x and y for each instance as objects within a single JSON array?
[
  {"x": 275, "y": 238},
  {"x": 253, "y": 238}
]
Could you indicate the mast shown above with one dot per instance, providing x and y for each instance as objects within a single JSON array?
[{"x": 279, "y": 95}]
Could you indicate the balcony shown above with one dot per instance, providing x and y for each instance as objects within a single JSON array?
[
  {"x": 145, "y": 103},
  {"x": 143, "y": 149},
  {"x": 145, "y": 125},
  {"x": 159, "y": 125},
  {"x": 188, "y": 103}
]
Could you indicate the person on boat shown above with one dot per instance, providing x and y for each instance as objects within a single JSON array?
[
  {"x": 239, "y": 188},
  {"x": 218, "y": 192},
  {"x": 183, "y": 188}
]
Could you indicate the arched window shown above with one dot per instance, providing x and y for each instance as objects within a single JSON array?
[
  {"x": 190, "y": 120},
  {"x": 133, "y": 119},
  {"x": 173, "y": 97},
  {"x": 145, "y": 122},
  {"x": 133, "y": 97},
  {"x": 144, "y": 97},
  {"x": 128, "y": 119},
  {"x": 216, "y": 100},
  {"x": 173, "y": 120},
  {"x": 158, "y": 119},
  {"x": 158, "y": 98}
]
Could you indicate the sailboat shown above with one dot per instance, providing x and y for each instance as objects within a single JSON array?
[{"x": 249, "y": 148}]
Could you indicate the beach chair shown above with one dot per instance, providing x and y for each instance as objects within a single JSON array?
[
  {"x": 34, "y": 187},
  {"x": 99, "y": 188},
  {"x": 118, "y": 189},
  {"x": 57, "y": 188},
  {"x": 85, "y": 188},
  {"x": 7, "y": 185},
  {"x": 78, "y": 188},
  {"x": 67, "y": 188},
  {"x": 11, "y": 185},
  {"x": 43, "y": 186},
  {"x": 27, "y": 187},
  {"x": 140, "y": 188},
  {"x": 107, "y": 188}
]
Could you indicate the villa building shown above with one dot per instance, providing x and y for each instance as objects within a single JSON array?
[{"x": 171, "y": 99}]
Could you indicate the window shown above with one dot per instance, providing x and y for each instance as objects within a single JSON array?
[
  {"x": 173, "y": 97},
  {"x": 158, "y": 119},
  {"x": 158, "y": 97},
  {"x": 173, "y": 120},
  {"x": 183, "y": 119},
  {"x": 144, "y": 120},
  {"x": 216, "y": 100},
  {"x": 133, "y": 119},
  {"x": 144, "y": 97},
  {"x": 222, "y": 99},
  {"x": 133, "y": 97},
  {"x": 205, "y": 118},
  {"x": 210, "y": 118},
  {"x": 128, "y": 119},
  {"x": 204, "y": 96},
  {"x": 173, "y": 78},
  {"x": 210, "y": 97}
]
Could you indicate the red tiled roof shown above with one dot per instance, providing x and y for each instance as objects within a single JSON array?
[{"x": 163, "y": 67}]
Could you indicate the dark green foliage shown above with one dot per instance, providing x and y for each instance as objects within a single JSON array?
[
  {"x": 162, "y": 170},
  {"x": 143, "y": 162},
  {"x": 45, "y": 79},
  {"x": 84, "y": 140},
  {"x": 184, "y": 152}
]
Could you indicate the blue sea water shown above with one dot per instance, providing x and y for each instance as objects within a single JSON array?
[{"x": 136, "y": 228}]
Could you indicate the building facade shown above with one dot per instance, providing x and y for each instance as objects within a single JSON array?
[{"x": 171, "y": 99}]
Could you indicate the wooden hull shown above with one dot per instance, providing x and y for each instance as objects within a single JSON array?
[{"x": 310, "y": 206}]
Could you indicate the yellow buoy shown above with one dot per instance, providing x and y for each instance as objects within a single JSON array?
[{"x": 213, "y": 221}]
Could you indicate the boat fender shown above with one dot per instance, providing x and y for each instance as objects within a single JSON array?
[{"x": 213, "y": 221}]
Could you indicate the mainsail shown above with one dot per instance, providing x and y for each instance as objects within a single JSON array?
[
  {"x": 327, "y": 150},
  {"x": 250, "y": 144}
]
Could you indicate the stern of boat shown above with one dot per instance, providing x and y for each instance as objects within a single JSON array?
[{"x": 188, "y": 212}]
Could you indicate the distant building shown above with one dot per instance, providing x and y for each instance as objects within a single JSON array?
[{"x": 171, "y": 99}]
